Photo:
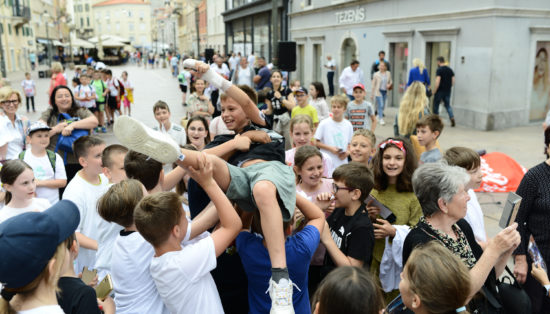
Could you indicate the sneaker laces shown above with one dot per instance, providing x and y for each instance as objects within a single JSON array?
[{"x": 281, "y": 295}]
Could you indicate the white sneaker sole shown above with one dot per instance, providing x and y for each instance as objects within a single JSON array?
[{"x": 133, "y": 134}]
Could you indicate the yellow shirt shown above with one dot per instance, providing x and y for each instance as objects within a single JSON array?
[{"x": 307, "y": 110}]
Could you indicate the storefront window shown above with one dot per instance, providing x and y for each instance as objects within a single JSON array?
[{"x": 261, "y": 35}]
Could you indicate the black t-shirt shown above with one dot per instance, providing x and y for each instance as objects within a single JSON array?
[
  {"x": 446, "y": 81},
  {"x": 354, "y": 235},
  {"x": 277, "y": 103},
  {"x": 273, "y": 151},
  {"x": 76, "y": 297}
]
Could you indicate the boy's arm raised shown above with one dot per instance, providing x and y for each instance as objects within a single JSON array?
[
  {"x": 230, "y": 223},
  {"x": 313, "y": 214},
  {"x": 338, "y": 257},
  {"x": 248, "y": 106}
]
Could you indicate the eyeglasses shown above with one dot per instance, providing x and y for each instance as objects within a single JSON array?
[
  {"x": 10, "y": 102},
  {"x": 336, "y": 188}
]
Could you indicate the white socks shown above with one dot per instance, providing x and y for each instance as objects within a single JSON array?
[{"x": 210, "y": 76}]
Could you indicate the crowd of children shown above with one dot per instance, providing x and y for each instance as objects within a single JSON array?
[{"x": 215, "y": 216}]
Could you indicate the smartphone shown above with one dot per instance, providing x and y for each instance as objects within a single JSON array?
[
  {"x": 385, "y": 212},
  {"x": 88, "y": 275},
  {"x": 510, "y": 210},
  {"x": 104, "y": 288},
  {"x": 396, "y": 306},
  {"x": 534, "y": 252}
]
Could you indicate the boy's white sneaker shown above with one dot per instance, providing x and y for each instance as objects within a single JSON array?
[
  {"x": 281, "y": 296},
  {"x": 382, "y": 122},
  {"x": 137, "y": 136}
]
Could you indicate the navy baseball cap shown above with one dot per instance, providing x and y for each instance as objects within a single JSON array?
[
  {"x": 29, "y": 240},
  {"x": 300, "y": 90}
]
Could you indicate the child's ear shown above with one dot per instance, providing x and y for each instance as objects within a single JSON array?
[
  {"x": 356, "y": 194},
  {"x": 27, "y": 139},
  {"x": 107, "y": 173},
  {"x": 416, "y": 302},
  {"x": 436, "y": 133},
  {"x": 82, "y": 161},
  {"x": 75, "y": 249}
]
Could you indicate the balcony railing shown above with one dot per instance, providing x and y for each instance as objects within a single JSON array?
[{"x": 22, "y": 11}]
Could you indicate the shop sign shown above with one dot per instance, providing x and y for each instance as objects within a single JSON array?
[{"x": 350, "y": 16}]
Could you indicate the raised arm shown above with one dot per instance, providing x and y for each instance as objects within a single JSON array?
[
  {"x": 312, "y": 212},
  {"x": 249, "y": 107}
]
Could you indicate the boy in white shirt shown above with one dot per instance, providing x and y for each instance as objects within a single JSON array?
[
  {"x": 469, "y": 159},
  {"x": 85, "y": 93},
  {"x": 181, "y": 271},
  {"x": 134, "y": 287},
  {"x": 333, "y": 135},
  {"x": 87, "y": 186},
  {"x": 48, "y": 167},
  {"x": 112, "y": 160}
]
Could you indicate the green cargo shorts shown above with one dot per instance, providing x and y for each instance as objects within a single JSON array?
[{"x": 243, "y": 181}]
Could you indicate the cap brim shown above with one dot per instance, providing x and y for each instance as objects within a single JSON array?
[
  {"x": 65, "y": 213},
  {"x": 36, "y": 130}
]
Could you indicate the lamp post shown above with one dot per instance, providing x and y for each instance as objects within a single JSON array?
[
  {"x": 71, "y": 28},
  {"x": 46, "y": 16}
]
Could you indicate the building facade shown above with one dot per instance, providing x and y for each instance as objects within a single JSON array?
[
  {"x": 125, "y": 18},
  {"x": 249, "y": 27},
  {"x": 83, "y": 18},
  {"x": 497, "y": 49},
  {"x": 215, "y": 26}
]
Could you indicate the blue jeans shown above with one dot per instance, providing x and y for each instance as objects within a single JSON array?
[
  {"x": 446, "y": 98},
  {"x": 381, "y": 102},
  {"x": 330, "y": 79}
]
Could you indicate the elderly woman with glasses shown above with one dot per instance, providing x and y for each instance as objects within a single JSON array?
[
  {"x": 440, "y": 191},
  {"x": 12, "y": 126}
]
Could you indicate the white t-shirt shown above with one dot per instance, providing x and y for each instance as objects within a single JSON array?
[
  {"x": 127, "y": 85},
  {"x": 84, "y": 91},
  {"x": 183, "y": 278},
  {"x": 47, "y": 309},
  {"x": 43, "y": 170},
  {"x": 85, "y": 196},
  {"x": 37, "y": 205},
  {"x": 233, "y": 62},
  {"x": 251, "y": 60},
  {"x": 330, "y": 63},
  {"x": 112, "y": 84},
  {"x": 474, "y": 216},
  {"x": 135, "y": 289},
  {"x": 12, "y": 135},
  {"x": 28, "y": 87},
  {"x": 337, "y": 134},
  {"x": 244, "y": 77}
]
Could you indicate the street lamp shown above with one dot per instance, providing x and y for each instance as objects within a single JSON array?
[{"x": 46, "y": 16}]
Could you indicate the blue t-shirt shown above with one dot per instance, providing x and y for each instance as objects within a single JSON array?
[
  {"x": 257, "y": 266},
  {"x": 265, "y": 75}
]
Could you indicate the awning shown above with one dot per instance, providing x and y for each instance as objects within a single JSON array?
[
  {"x": 42, "y": 41},
  {"x": 77, "y": 42},
  {"x": 58, "y": 43},
  {"x": 111, "y": 43}
]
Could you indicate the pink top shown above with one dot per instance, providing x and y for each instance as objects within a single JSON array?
[
  {"x": 319, "y": 255},
  {"x": 327, "y": 162}
]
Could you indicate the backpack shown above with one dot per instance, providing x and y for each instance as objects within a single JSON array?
[
  {"x": 51, "y": 157},
  {"x": 121, "y": 86}
]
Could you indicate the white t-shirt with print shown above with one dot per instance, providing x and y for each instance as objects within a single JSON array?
[
  {"x": 135, "y": 289},
  {"x": 28, "y": 87},
  {"x": 112, "y": 84},
  {"x": 43, "y": 170},
  {"x": 333, "y": 133},
  {"x": 85, "y": 196},
  {"x": 86, "y": 91},
  {"x": 183, "y": 278},
  {"x": 37, "y": 205},
  {"x": 47, "y": 309}
]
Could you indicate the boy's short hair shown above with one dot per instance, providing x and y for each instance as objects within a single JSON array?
[
  {"x": 118, "y": 203},
  {"x": 27, "y": 73},
  {"x": 249, "y": 91},
  {"x": 160, "y": 105},
  {"x": 142, "y": 168},
  {"x": 340, "y": 99},
  {"x": 84, "y": 143},
  {"x": 366, "y": 133},
  {"x": 462, "y": 157},
  {"x": 156, "y": 215},
  {"x": 262, "y": 94},
  {"x": 432, "y": 121},
  {"x": 356, "y": 176},
  {"x": 109, "y": 151}
]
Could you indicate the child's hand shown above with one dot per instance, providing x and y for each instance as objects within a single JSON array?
[
  {"x": 92, "y": 283},
  {"x": 203, "y": 175},
  {"x": 258, "y": 136},
  {"x": 107, "y": 306},
  {"x": 324, "y": 200},
  {"x": 343, "y": 155},
  {"x": 383, "y": 229},
  {"x": 242, "y": 143},
  {"x": 335, "y": 150},
  {"x": 373, "y": 210},
  {"x": 539, "y": 274}
]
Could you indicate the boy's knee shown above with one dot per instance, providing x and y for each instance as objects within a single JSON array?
[{"x": 264, "y": 190}]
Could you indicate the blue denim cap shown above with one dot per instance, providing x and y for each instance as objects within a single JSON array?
[{"x": 29, "y": 240}]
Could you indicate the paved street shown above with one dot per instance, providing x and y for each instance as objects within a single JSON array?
[{"x": 523, "y": 143}]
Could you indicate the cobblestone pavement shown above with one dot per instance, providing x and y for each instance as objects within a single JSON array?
[{"x": 524, "y": 144}]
